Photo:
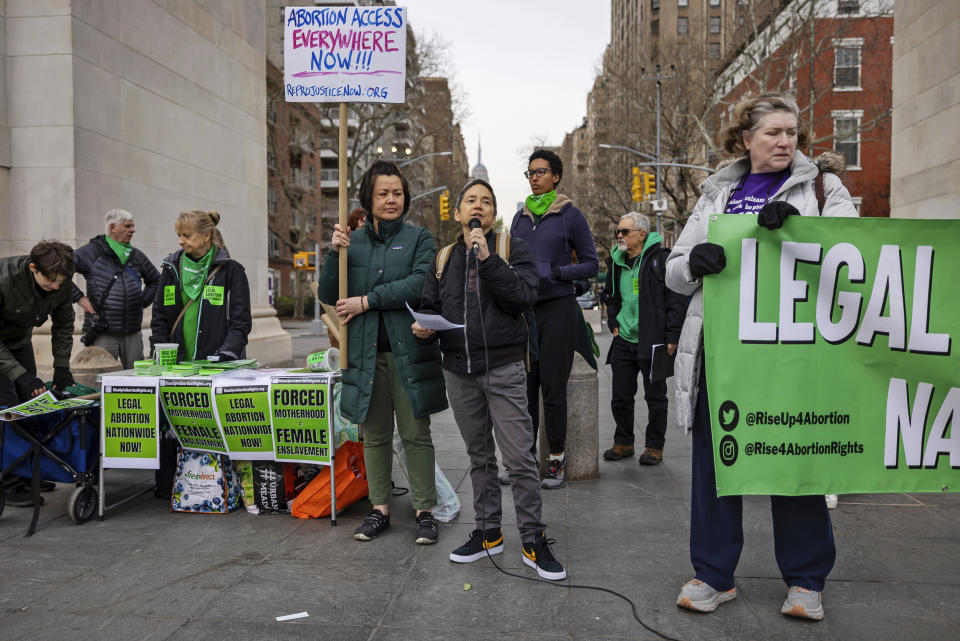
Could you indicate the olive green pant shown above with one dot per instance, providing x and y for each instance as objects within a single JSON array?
[{"x": 387, "y": 401}]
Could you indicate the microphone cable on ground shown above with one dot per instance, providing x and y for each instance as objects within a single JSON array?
[{"x": 488, "y": 422}]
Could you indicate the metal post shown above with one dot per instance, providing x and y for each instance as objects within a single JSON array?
[
  {"x": 659, "y": 83},
  {"x": 659, "y": 78}
]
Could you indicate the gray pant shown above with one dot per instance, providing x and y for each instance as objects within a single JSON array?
[
  {"x": 127, "y": 347},
  {"x": 496, "y": 405}
]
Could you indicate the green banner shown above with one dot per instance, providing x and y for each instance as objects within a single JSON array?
[
  {"x": 244, "y": 414},
  {"x": 129, "y": 424},
  {"x": 829, "y": 356},
  {"x": 300, "y": 408},
  {"x": 188, "y": 405}
]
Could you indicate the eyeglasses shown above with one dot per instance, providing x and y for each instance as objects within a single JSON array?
[
  {"x": 624, "y": 232},
  {"x": 541, "y": 172}
]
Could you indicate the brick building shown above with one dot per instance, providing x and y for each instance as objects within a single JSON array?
[
  {"x": 296, "y": 144},
  {"x": 844, "y": 90}
]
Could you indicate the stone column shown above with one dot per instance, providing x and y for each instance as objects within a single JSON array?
[
  {"x": 583, "y": 432},
  {"x": 146, "y": 106}
]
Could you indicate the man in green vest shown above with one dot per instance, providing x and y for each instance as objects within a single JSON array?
[{"x": 641, "y": 313}]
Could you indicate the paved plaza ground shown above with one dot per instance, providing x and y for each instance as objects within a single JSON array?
[{"x": 146, "y": 573}]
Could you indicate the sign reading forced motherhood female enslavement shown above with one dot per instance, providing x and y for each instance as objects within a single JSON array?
[
  {"x": 830, "y": 356},
  {"x": 344, "y": 54}
]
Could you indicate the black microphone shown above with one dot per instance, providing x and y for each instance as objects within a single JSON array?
[{"x": 475, "y": 224}]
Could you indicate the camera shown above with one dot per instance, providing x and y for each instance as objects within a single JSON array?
[{"x": 97, "y": 325}]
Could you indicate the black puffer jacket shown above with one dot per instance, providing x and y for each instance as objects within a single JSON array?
[
  {"x": 222, "y": 327},
  {"x": 505, "y": 292},
  {"x": 133, "y": 292}
]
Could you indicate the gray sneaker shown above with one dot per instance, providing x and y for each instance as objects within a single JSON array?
[
  {"x": 697, "y": 595},
  {"x": 803, "y": 603},
  {"x": 555, "y": 477}
]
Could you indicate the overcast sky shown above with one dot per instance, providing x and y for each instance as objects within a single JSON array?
[{"x": 524, "y": 67}]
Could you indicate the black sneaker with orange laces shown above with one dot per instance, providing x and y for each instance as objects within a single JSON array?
[
  {"x": 481, "y": 543},
  {"x": 537, "y": 554}
]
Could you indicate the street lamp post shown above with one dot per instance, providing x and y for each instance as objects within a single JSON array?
[
  {"x": 656, "y": 163},
  {"x": 435, "y": 153},
  {"x": 402, "y": 162},
  {"x": 631, "y": 150},
  {"x": 659, "y": 78},
  {"x": 424, "y": 194}
]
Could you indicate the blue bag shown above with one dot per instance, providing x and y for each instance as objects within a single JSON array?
[{"x": 75, "y": 439}]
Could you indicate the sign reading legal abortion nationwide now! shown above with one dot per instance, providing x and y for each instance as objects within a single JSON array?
[
  {"x": 344, "y": 54},
  {"x": 129, "y": 423},
  {"x": 830, "y": 356}
]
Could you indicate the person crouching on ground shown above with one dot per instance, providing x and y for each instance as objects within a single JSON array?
[
  {"x": 484, "y": 369},
  {"x": 389, "y": 374}
]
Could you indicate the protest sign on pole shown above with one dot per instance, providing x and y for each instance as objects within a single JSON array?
[
  {"x": 300, "y": 410},
  {"x": 188, "y": 404},
  {"x": 830, "y": 357},
  {"x": 344, "y": 54},
  {"x": 129, "y": 423},
  {"x": 243, "y": 411}
]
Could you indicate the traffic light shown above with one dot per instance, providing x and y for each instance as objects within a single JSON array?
[
  {"x": 304, "y": 260},
  {"x": 445, "y": 205},
  {"x": 649, "y": 185},
  {"x": 636, "y": 188}
]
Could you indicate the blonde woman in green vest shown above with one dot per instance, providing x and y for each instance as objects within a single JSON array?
[{"x": 206, "y": 290}]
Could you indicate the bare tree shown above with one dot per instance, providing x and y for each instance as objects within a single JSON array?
[
  {"x": 788, "y": 46},
  {"x": 791, "y": 47}
]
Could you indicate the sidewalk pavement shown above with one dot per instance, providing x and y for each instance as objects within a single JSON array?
[{"x": 146, "y": 573}]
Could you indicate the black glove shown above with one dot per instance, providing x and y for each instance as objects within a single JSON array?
[
  {"x": 26, "y": 384},
  {"x": 62, "y": 378},
  {"x": 773, "y": 214},
  {"x": 221, "y": 356},
  {"x": 707, "y": 258}
]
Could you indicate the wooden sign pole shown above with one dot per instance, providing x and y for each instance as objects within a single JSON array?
[{"x": 342, "y": 168}]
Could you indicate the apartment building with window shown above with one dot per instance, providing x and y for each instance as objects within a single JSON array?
[{"x": 844, "y": 89}]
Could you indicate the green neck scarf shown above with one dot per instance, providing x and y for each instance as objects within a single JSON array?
[
  {"x": 122, "y": 250},
  {"x": 193, "y": 272},
  {"x": 540, "y": 204}
]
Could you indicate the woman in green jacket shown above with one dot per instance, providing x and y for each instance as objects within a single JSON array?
[{"x": 390, "y": 375}]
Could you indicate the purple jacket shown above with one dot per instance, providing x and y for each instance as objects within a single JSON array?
[{"x": 560, "y": 232}]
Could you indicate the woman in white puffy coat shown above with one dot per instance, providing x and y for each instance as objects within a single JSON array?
[{"x": 773, "y": 180}]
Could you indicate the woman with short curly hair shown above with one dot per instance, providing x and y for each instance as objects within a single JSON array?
[{"x": 772, "y": 179}]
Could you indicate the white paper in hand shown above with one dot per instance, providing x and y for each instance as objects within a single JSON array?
[{"x": 436, "y": 322}]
